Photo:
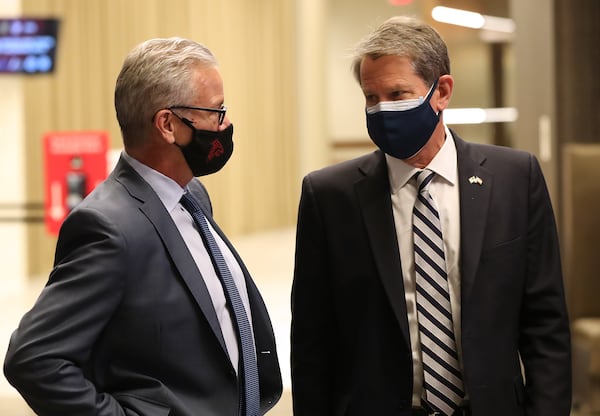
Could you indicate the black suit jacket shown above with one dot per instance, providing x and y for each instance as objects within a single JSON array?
[
  {"x": 351, "y": 351},
  {"x": 125, "y": 325}
]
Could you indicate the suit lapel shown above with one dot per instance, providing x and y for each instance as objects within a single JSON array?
[
  {"x": 373, "y": 194},
  {"x": 153, "y": 209},
  {"x": 475, "y": 186}
]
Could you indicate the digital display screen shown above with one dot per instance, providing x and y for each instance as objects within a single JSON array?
[{"x": 28, "y": 46}]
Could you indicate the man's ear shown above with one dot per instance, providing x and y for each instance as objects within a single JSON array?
[
  {"x": 164, "y": 123},
  {"x": 445, "y": 86}
]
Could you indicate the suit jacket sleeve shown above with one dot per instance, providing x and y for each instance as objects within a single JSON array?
[
  {"x": 312, "y": 328},
  {"x": 47, "y": 351},
  {"x": 544, "y": 336}
]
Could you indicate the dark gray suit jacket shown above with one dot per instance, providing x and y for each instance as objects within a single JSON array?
[
  {"x": 125, "y": 325},
  {"x": 351, "y": 352}
]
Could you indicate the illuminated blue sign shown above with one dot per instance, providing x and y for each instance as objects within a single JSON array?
[{"x": 28, "y": 46}]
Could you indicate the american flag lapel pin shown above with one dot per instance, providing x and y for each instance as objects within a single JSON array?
[{"x": 475, "y": 179}]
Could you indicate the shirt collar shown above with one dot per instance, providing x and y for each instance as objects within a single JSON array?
[
  {"x": 443, "y": 164},
  {"x": 168, "y": 191}
]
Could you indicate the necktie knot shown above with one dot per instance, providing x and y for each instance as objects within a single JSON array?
[
  {"x": 190, "y": 203},
  {"x": 424, "y": 178}
]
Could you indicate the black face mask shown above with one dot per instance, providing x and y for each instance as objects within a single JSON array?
[{"x": 208, "y": 151}]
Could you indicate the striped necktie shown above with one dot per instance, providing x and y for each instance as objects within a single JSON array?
[
  {"x": 442, "y": 378},
  {"x": 251, "y": 398}
]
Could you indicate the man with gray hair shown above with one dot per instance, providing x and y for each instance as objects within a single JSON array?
[
  {"x": 149, "y": 310},
  {"x": 427, "y": 278}
]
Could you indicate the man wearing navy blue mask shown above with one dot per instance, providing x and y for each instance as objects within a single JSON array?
[{"x": 427, "y": 278}]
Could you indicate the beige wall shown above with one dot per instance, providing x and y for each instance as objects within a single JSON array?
[
  {"x": 12, "y": 197},
  {"x": 535, "y": 89},
  {"x": 255, "y": 45}
]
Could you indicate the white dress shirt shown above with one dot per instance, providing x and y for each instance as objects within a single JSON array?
[
  {"x": 444, "y": 190},
  {"x": 170, "y": 193}
]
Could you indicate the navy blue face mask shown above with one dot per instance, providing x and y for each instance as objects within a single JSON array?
[{"x": 402, "y": 128}]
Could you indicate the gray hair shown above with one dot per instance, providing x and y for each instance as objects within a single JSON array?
[
  {"x": 156, "y": 74},
  {"x": 408, "y": 37}
]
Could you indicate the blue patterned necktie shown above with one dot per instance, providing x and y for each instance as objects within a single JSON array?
[
  {"x": 442, "y": 378},
  {"x": 249, "y": 366}
]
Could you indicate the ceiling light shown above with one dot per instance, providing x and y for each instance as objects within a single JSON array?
[
  {"x": 480, "y": 115},
  {"x": 473, "y": 20}
]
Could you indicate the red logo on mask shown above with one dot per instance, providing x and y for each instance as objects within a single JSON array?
[{"x": 216, "y": 150}]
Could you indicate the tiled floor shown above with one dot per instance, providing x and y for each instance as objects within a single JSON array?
[{"x": 269, "y": 258}]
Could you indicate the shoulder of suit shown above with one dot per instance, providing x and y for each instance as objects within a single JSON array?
[
  {"x": 488, "y": 151},
  {"x": 351, "y": 166}
]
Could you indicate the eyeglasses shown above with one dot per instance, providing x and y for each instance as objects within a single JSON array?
[{"x": 221, "y": 110}]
